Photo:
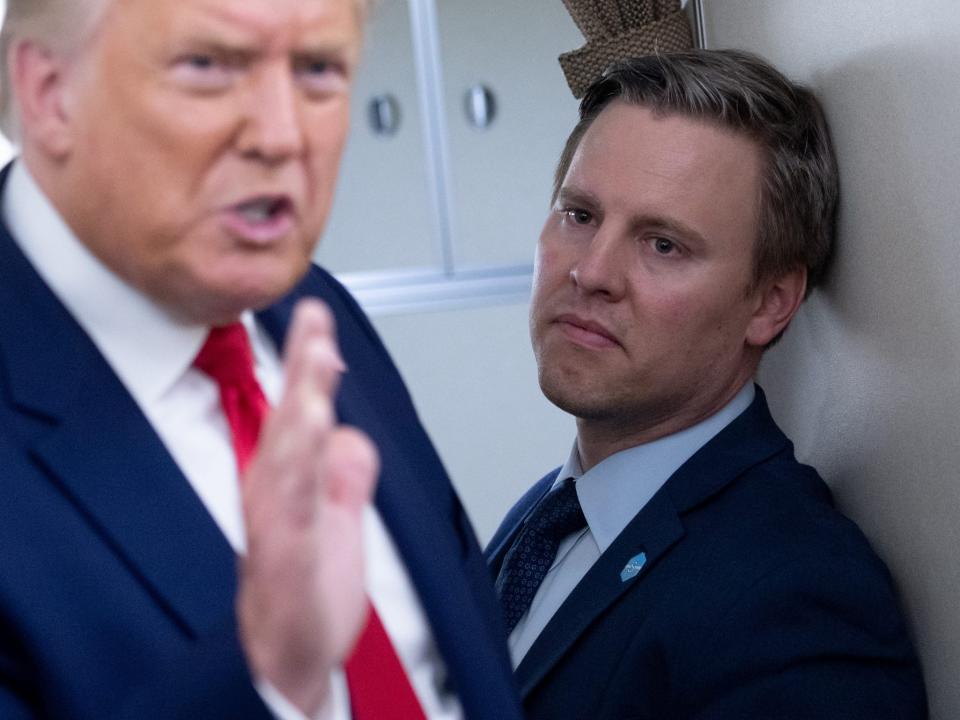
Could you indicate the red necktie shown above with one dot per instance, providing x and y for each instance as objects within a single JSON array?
[
  {"x": 227, "y": 359},
  {"x": 379, "y": 688}
]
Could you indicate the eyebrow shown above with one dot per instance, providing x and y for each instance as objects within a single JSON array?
[{"x": 577, "y": 196}]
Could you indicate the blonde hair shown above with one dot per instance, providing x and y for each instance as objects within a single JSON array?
[{"x": 62, "y": 26}]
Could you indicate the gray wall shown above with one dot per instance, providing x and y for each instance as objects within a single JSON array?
[{"x": 866, "y": 381}]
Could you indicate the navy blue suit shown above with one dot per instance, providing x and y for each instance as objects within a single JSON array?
[
  {"x": 117, "y": 587},
  {"x": 757, "y": 600}
]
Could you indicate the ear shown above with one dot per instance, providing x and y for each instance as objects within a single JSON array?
[
  {"x": 39, "y": 83},
  {"x": 777, "y": 302}
]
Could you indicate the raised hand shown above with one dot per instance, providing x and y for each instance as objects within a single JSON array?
[{"x": 301, "y": 602}]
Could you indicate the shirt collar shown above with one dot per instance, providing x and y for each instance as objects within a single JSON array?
[
  {"x": 145, "y": 345},
  {"x": 612, "y": 492}
]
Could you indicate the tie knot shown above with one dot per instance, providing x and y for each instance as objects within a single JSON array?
[
  {"x": 529, "y": 559},
  {"x": 226, "y": 356},
  {"x": 559, "y": 514}
]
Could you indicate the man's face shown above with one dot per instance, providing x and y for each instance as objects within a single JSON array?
[
  {"x": 205, "y": 137},
  {"x": 640, "y": 309}
]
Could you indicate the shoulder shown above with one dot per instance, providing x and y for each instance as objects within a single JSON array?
[
  {"x": 780, "y": 543},
  {"x": 319, "y": 283},
  {"x": 364, "y": 352},
  {"x": 778, "y": 514},
  {"x": 772, "y": 580}
]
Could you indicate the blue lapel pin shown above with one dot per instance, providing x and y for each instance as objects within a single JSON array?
[{"x": 633, "y": 567}]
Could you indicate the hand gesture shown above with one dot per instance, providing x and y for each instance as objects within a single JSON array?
[{"x": 302, "y": 603}]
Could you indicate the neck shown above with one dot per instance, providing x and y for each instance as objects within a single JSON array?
[{"x": 600, "y": 437}]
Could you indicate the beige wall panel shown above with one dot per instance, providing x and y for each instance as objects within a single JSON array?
[{"x": 866, "y": 381}]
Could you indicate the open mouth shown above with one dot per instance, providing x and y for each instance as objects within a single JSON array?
[
  {"x": 264, "y": 210},
  {"x": 262, "y": 220}
]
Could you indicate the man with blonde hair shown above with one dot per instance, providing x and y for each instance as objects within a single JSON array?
[{"x": 186, "y": 525}]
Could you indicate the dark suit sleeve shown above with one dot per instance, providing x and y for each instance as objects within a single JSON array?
[
  {"x": 14, "y": 705},
  {"x": 14, "y": 708},
  {"x": 210, "y": 680},
  {"x": 802, "y": 644}
]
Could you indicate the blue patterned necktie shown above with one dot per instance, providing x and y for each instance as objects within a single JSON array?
[{"x": 527, "y": 562}]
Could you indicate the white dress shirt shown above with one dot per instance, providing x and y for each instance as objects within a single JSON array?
[
  {"x": 611, "y": 494},
  {"x": 152, "y": 354}
]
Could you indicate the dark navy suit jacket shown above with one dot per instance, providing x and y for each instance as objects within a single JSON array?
[
  {"x": 757, "y": 600},
  {"x": 117, "y": 587}
]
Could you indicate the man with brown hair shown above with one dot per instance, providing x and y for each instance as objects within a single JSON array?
[{"x": 682, "y": 563}]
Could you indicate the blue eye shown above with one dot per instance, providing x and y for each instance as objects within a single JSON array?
[
  {"x": 323, "y": 77},
  {"x": 317, "y": 67},
  {"x": 203, "y": 72},
  {"x": 664, "y": 246},
  {"x": 200, "y": 62}
]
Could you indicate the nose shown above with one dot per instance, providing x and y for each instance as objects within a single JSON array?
[
  {"x": 601, "y": 268},
  {"x": 273, "y": 129}
]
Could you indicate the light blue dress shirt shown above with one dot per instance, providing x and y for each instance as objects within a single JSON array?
[{"x": 611, "y": 494}]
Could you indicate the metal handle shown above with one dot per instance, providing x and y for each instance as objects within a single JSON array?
[
  {"x": 384, "y": 114},
  {"x": 480, "y": 105}
]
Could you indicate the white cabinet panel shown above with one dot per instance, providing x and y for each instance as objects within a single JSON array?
[
  {"x": 502, "y": 175},
  {"x": 382, "y": 216}
]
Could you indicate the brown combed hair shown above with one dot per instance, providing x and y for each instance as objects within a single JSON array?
[{"x": 741, "y": 92}]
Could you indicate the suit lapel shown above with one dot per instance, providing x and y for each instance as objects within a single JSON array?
[
  {"x": 421, "y": 512},
  {"x": 98, "y": 448},
  {"x": 400, "y": 492},
  {"x": 657, "y": 529},
  {"x": 653, "y": 532},
  {"x": 411, "y": 515},
  {"x": 107, "y": 459}
]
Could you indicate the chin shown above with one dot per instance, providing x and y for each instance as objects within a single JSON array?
[
  {"x": 222, "y": 301},
  {"x": 566, "y": 394},
  {"x": 257, "y": 297}
]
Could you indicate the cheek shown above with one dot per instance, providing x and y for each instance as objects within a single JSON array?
[
  {"x": 547, "y": 281},
  {"x": 715, "y": 326},
  {"x": 551, "y": 265},
  {"x": 326, "y": 131},
  {"x": 325, "y": 143},
  {"x": 683, "y": 327}
]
